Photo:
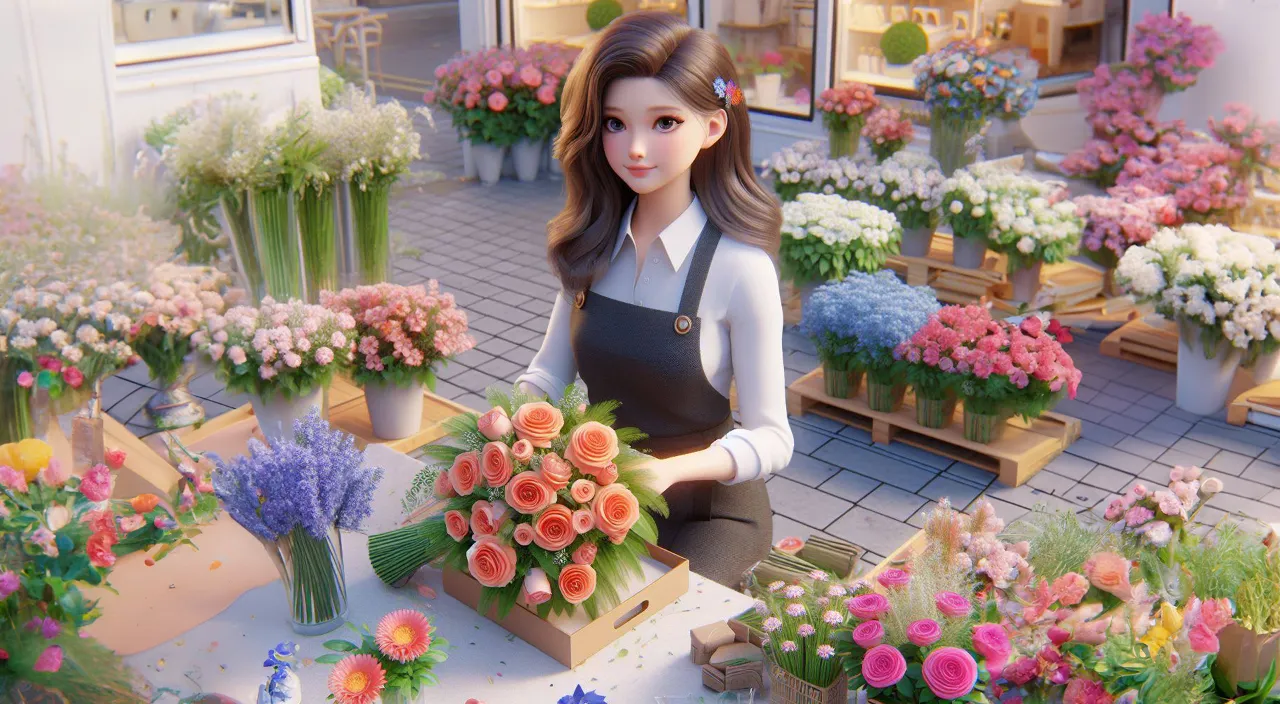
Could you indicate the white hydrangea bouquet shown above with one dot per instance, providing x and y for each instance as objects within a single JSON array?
[
  {"x": 1210, "y": 277},
  {"x": 1035, "y": 228},
  {"x": 909, "y": 185},
  {"x": 804, "y": 167},
  {"x": 824, "y": 237}
]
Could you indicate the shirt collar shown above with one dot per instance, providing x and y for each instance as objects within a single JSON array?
[{"x": 677, "y": 239}]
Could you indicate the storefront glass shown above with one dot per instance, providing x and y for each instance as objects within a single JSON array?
[
  {"x": 574, "y": 22},
  {"x": 772, "y": 44},
  {"x": 876, "y": 41},
  {"x": 138, "y": 21}
]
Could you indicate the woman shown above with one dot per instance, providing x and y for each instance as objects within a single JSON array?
[{"x": 663, "y": 251}]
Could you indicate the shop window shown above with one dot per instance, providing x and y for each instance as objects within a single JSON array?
[
  {"x": 574, "y": 22},
  {"x": 149, "y": 30},
  {"x": 877, "y": 39},
  {"x": 772, "y": 43}
]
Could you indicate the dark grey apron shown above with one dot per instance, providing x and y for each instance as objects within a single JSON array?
[{"x": 650, "y": 361}]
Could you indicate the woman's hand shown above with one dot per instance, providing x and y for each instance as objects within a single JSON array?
[{"x": 660, "y": 479}]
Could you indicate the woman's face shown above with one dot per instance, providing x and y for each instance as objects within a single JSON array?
[{"x": 650, "y": 137}]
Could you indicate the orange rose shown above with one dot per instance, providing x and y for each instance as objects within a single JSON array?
[
  {"x": 538, "y": 422},
  {"x": 443, "y": 488},
  {"x": 577, "y": 582},
  {"x": 495, "y": 464},
  {"x": 480, "y": 523},
  {"x": 583, "y": 521},
  {"x": 465, "y": 473},
  {"x": 608, "y": 475},
  {"x": 528, "y": 494},
  {"x": 491, "y": 562},
  {"x": 522, "y": 450},
  {"x": 555, "y": 471},
  {"x": 494, "y": 423},
  {"x": 523, "y": 534},
  {"x": 592, "y": 446},
  {"x": 583, "y": 490},
  {"x": 553, "y": 528},
  {"x": 143, "y": 503},
  {"x": 456, "y": 525},
  {"x": 615, "y": 509},
  {"x": 1110, "y": 573}
]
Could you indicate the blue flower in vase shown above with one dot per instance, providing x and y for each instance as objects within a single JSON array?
[
  {"x": 580, "y": 697},
  {"x": 283, "y": 687}
]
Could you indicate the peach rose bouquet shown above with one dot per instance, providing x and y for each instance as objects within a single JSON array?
[{"x": 538, "y": 502}]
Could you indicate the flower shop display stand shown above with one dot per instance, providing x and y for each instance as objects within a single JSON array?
[
  {"x": 1152, "y": 342},
  {"x": 1023, "y": 451},
  {"x": 953, "y": 284},
  {"x": 348, "y": 412}
]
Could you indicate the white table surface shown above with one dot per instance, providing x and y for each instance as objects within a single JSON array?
[{"x": 225, "y": 654}]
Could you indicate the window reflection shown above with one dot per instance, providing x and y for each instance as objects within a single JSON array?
[
  {"x": 151, "y": 20},
  {"x": 772, "y": 44},
  {"x": 574, "y": 22}
]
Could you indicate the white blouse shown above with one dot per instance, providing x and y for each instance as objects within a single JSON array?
[{"x": 741, "y": 333}]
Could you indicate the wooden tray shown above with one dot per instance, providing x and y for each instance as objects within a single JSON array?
[
  {"x": 347, "y": 412},
  {"x": 1153, "y": 345},
  {"x": 1024, "y": 450}
]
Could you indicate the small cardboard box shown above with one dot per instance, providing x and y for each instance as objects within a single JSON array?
[
  {"x": 1245, "y": 656},
  {"x": 570, "y": 641}
]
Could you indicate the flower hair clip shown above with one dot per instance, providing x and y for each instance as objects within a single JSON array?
[{"x": 728, "y": 91}]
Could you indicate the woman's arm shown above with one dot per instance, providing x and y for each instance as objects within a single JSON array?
[
  {"x": 764, "y": 443},
  {"x": 553, "y": 367}
]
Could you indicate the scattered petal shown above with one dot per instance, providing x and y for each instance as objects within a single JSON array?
[
  {"x": 426, "y": 592},
  {"x": 215, "y": 565},
  {"x": 149, "y": 562},
  {"x": 160, "y": 664}
]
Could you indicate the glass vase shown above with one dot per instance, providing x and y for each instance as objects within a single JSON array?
[
  {"x": 276, "y": 232},
  {"x": 88, "y": 434},
  {"x": 314, "y": 581},
  {"x": 949, "y": 138},
  {"x": 174, "y": 406},
  {"x": 236, "y": 223},
  {"x": 840, "y": 383},
  {"x": 885, "y": 398},
  {"x": 983, "y": 428},
  {"x": 843, "y": 141},
  {"x": 935, "y": 412},
  {"x": 317, "y": 220},
  {"x": 15, "y": 404},
  {"x": 370, "y": 208}
]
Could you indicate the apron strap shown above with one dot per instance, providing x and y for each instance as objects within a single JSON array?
[{"x": 698, "y": 269}]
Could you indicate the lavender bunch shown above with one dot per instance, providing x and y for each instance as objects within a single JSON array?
[{"x": 313, "y": 482}]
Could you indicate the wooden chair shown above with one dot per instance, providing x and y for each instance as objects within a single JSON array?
[{"x": 363, "y": 33}]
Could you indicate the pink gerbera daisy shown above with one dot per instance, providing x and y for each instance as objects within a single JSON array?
[
  {"x": 404, "y": 635},
  {"x": 357, "y": 679}
]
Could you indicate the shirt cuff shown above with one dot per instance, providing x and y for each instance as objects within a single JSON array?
[
  {"x": 552, "y": 386},
  {"x": 746, "y": 460}
]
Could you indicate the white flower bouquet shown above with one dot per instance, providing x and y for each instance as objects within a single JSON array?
[
  {"x": 1210, "y": 277},
  {"x": 1035, "y": 228},
  {"x": 169, "y": 310},
  {"x": 805, "y": 168},
  {"x": 909, "y": 185},
  {"x": 824, "y": 237}
]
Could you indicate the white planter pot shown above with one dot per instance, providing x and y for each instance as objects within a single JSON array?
[
  {"x": 1266, "y": 367},
  {"x": 488, "y": 158},
  {"x": 768, "y": 85},
  {"x": 916, "y": 241},
  {"x": 468, "y": 162},
  {"x": 968, "y": 252},
  {"x": 1203, "y": 384},
  {"x": 395, "y": 412},
  {"x": 276, "y": 414},
  {"x": 1026, "y": 282},
  {"x": 526, "y": 154}
]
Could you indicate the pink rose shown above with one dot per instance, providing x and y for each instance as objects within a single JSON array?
[
  {"x": 26, "y": 379},
  {"x": 1216, "y": 614},
  {"x": 527, "y": 493},
  {"x": 583, "y": 521},
  {"x": 1083, "y": 691},
  {"x": 74, "y": 377},
  {"x": 868, "y": 634},
  {"x": 523, "y": 534},
  {"x": 1110, "y": 573},
  {"x": 50, "y": 660},
  {"x": 457, "y": 525},
  {"x": 577, "y": 582},
  {"x": 494, "y": 424},
  {"x": 522, "y": 450},
  {"x": 952, "y": 605},
  {"x": 464, "y": 475},
  {"x": 537, "y": 588},
  {"x": 867, "y": 606},
  {"x": 583, "y": 490},
  {"x": 555, "y": 471},
  {"x": 96, "y": 483},
  {"x": 13, "y": 480},
  {"x": 496, "y": 464},
  {"x": 950, "y": 672},
  {"x": 491, "y": 562},
  {"x": 54, "y": 474},
  {"x": 98, "y": 548},
  {"x": 924, "y": 632},
  {"x": 1022, "y": 671},
  {"x": 893, "y": 578},
  {"x": 553, "y": 528},
  {"x": 991, "y": 641},
  {"x": 480, "y": 523},
  {"x": 1058, "y": 635},
  {"x": 608, "y": 475},
  {"x": 616, "y": 511},
  {"x": 1070, "y": 588},
  {"x": 883, "y": 666},
  {"x": 115, "y": 459},
  {"x": 1202, "y": 639},
  {"x": 538, "y": 422},
  {"x": 585, "y": 554}
]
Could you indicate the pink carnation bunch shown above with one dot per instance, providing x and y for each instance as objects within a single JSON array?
[
  {"x": 492, "y": 80},
  {"x": 1112, "y": 225},
  {"x": 412, "y": 328},
  {"x": 1200, "y": 175},
  {"x": 846, "y": 105},
  {"x": 1174, "y": 49},
  {"x": 887, "y": 131}
]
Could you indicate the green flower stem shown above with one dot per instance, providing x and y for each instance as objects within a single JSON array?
[
  {"x": 235, "y": 208},
  {"x": 316, "y": 583},
  {"x": 843, "y": 141},
  {"x": 15, "y": 405},
  {"x": 319, "y": 242},
  {"x": 277, "y": 236},
  {"x": 947, "y": 138},
  {"x": 397, "y": 554},
  {"x": 370, "y": 209}
]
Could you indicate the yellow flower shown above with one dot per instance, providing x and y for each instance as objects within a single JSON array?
[
  {"x": 8, "y": 455},
  {"x": 31, "y": 456},
  {"x": 1166, "y": 628}
]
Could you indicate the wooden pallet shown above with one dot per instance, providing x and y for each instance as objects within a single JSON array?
[
  {"x": 1264, "y": 399},
  {"x": 791, "y": 306},
  {"x": 347, "y": 412},
  {"x": 953, "y": 284},
  {"x": 1151, "y": 344},
  {"x": 1024, "y": 450}
]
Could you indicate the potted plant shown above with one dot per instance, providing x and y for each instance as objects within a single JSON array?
[
  {"x": 536, "y": 87},
  {"x": 800, "y": 622},
  {"x": 887, "y": 313},
  {"x": 931, "y": 357},
  {"x": 394, "y": 661},
  {"x": 887, "y": 132},
  {"x": 1033, "y": 226},
  {"x": 825, "y": 237},
  {"x": 769, "y": 70},
  {"x": 901, "y": 43},
  {"x": 827, "y": 319},
  {"x": 282, "y": 354},
  {"x": 1112, "y": 225},
  {"x": 966, "y": 207},
  {"x": 296, "y": 497},
  {"x": 1213, "y": 282},
  {"x": 844, "y": 111},
  {"x": 601, "y": 12},
  {"x": 403, "y": 333},
  {"x": 909, "y": 185}
]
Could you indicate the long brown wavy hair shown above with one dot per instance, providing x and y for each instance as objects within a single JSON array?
[{"x": 650, "y": 45}]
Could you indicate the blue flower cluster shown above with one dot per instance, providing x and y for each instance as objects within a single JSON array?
[
  {"x": 876, "y": 312},
  {"x": 314, "y": 482}
]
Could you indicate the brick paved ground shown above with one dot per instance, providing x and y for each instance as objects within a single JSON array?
[{"x": 487, "y": 246}]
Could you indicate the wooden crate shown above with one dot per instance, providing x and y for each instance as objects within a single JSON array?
[
  {"x": 1151, "y": 344},
  {"x": 1024, "y": 450},
  {"x": 899, "y": 557},
  {"x": 347, "y": 412}
]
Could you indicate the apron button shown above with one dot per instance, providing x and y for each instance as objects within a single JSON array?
[
  {"x": 579, "y": 299},
  {"x": 683, "y": 324}
]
